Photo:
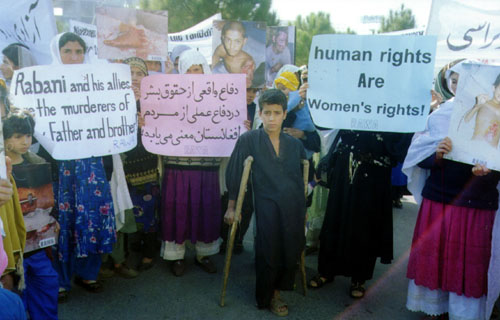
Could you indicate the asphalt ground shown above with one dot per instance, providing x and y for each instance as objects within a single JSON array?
[{"x": 158, "y": 294}]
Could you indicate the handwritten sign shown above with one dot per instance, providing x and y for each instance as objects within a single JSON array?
[
  {"x": 193, "y": 115},
  {"x": 31, "y": 23},
  {"x": 88, "y": 32},
  {"x": 475, "y": 37},
  {"x": 197, "y": 37},
  {"x": 373, "y": 83},
  {"x": 475, "y": 121},
  {"x": 80, "y": 110},
  {"x": 127, "y": 32}
]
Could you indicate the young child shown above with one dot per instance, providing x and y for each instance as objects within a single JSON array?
[
  {"x": 40, "y": 295},
  {"x": 279, "y": 199},
  {"x": 230, "y": 51},
  {"x": 487, "y": 127}
]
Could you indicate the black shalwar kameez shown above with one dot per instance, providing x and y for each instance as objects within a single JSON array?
[{"x": 279, "y": 203}]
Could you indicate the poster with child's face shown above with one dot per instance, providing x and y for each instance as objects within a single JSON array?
[
  {"x": 125, "y": 32},
  {"x": 239, "y": 47},
  {"x": 280, "y": 50},
  {"x": 34, "y": 186},
  {"x": 475, "y": 122}
]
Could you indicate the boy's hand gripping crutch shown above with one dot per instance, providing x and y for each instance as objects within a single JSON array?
[
  {"x": 305, "y": 175},
  {"x": 234, "y": 226}
]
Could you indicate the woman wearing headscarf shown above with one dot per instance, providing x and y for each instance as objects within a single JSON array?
[
  {"x": 86, "y": 211},
  {"x": 191, "y": 208},
  {"x": 15, "y": 56},
  {"x": 452, "y": 242},
  {"x": 141, "y": 170}
]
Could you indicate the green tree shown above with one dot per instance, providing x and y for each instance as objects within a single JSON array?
[
  {"x": 397, "y": 20},
  {"x": 183, "y": 14},
  {"x": 306, "y": 28}
]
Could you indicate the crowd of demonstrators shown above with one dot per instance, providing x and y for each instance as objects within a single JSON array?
[{"x": 179, "y": 200}]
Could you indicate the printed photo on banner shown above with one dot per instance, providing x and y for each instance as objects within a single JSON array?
[
  {"x": 239, "y": 47},
  {"x": 88, "y": 32},
  {"x": 280, "y": 50},
  {"x": 197, "y": 37},
  {"x": 34, "y": 186},
  {"x": 476, "y": 37},
  {"x": 371, "y": 83},
  {"x": 81, "y": 110},
  {"x": 475, "y": 122},
  {"x": 30, "y": 23},
  {"x": 125, "y": 32},
  {"x": 193, "y": 115}
]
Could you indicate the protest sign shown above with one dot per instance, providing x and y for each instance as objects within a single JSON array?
[
  {"x": 193, "y": 115},
  {"x": 280, "y": 50},
  {"x": 30, "y": 22},
  {"x": 373, "y": 83},
  {"x": 475, "y": 122},
  {"x": 88, "y": 32},
  {"x": 125, "y": 32},
  {"x": 239, "y": 47},
  {"x": 475, "y": 37},
  {"x": 81, "y": 110},
  {"x": 34, "y": 186},
  {"x": 197, "y": 37}
]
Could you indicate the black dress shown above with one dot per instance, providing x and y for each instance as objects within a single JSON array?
[{"x": 358, "y": 220}]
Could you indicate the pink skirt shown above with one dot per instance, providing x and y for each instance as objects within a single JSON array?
[{"x": 451, "y": 248}]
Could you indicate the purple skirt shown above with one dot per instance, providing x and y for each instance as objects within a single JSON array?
[
  {"x": 451, "y": 248},
  {"x": 191, "y": 204}
]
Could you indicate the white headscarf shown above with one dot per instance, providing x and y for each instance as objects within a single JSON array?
[
  {"x": 55, "y": 50},
  {"x": 192, "y": 57},
  {"x": 287, "y": 67}
]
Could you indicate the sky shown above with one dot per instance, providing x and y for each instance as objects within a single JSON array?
[{"x": 348, "y": 13}]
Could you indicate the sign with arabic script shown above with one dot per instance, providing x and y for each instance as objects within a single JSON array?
[
  {"x": 30, "y": 22},
  {"x": 193, "y": 115},
  {"x": 469, "y": 31}
]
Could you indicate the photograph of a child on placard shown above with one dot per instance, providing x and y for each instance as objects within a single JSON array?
[
  {"x": 239, "y": 47},
  {"x": 126, "y": 32},
  {"x": 475, "y": 122},
  {"x": 280, "y": 50}
]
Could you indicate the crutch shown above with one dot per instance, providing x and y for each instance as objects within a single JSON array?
[
  {"x": 234, "y": 226},
  {"x": 305, "y": 175}
]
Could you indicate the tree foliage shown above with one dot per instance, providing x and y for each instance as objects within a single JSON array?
[
  {"x": 183, "y": 14},
  {"x": 398, "y": 20},
  {"x": 306, "y": 28}
]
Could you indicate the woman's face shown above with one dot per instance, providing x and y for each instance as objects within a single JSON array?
[
  {"x": 195, "y": 69},
  {"x": 137, "y": 76},
  {"x": 72, "y": 53},
  {"x": 7, "y": 67},
  {"x": 453, "y": 82}
]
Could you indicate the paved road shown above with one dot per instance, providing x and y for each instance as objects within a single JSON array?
[{"x": 157, "y": 294}]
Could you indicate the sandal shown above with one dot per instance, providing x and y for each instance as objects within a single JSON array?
[
  {"x": 93, "y": 287},
  {"x": 206, "y": 264},
  {"x": 178, "y": 267},
  {"x": 62, "y": 296},
  {"x": 318, "y": 281},
  {"x": 357, "y": 290},
  {"x": 278, "y": 307}
]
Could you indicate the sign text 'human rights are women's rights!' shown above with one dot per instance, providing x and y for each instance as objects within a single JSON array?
[
  {"x": 193, "y": 115},
  {"x": 372, "y": 83},
  {"x": 80, "y": 110}
]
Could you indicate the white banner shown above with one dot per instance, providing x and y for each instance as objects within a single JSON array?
[
  {"x": 30, "y": 22},
  {"x": 469, "y": 30},
  {"x": 88, "y": 32},
  {"x": 80, "y": 110},
  {"x": 197, "y": 37},
  {"x": 373, "y": 83}
]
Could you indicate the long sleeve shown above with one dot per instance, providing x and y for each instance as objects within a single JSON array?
[{"x": 234, "y": 169}]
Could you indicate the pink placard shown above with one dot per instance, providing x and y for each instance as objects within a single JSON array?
[{"x": 193, "y": 115}]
